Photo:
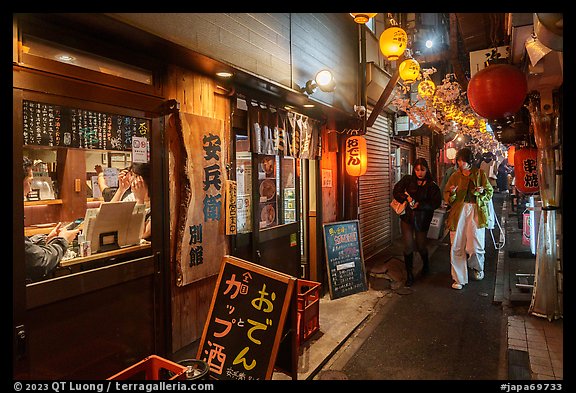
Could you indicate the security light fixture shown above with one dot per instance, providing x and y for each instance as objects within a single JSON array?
[{"x": 323, "y": 79}]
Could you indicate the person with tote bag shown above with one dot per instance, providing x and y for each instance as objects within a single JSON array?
[{"x": 423, "y": 196}]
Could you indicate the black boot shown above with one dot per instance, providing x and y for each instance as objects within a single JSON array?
[
  {"x": 408, "y": 261},
  {"x": 425, "y": 264}
]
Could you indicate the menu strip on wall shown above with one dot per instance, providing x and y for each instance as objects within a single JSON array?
[
  {"x": 55, "y": 125},
  {"x": 344, "y": 259}
]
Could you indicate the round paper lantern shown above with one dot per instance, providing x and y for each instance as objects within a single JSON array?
[
  {"x": 526, "y": 170},
  {"x": 393, "y": 42},
  {"x": 511, "y": 151},
  {"x": 426, "y": 88},
  {"x": 497, "y": 91},
  {"x": 356, "y": 155},
  {"x": 409, "y": 70}
]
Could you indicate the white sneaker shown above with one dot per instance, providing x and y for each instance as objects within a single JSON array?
[
  {"x": 455, "y": 285},
  {"x": 478, "y": 275}
]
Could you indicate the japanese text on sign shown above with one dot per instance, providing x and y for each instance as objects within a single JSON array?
[
  {"x": 212, "y": 181},
  {"x": 344, "y": 258},
  {"x": 246, "y": 318}
]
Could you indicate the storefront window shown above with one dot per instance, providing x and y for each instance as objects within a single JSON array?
[
  {"x": 289, "y": 189},
  {"x": 78, "y": 158},
  {"x": 268, "y": 187},
  {"x": 33, "y": 46},
  {"x": 243, "y": 185}
]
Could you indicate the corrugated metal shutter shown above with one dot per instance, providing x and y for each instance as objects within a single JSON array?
[{"x": 374, "y": 189}]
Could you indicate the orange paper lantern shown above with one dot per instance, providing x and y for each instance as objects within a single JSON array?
[
  {"x": 356, "y": 156},
  {"x": 393, "y": 42},
  {"x": 409, "y": 70},
  {"x": 511, "y": 151},
  {"x": 526, "y": 170}
]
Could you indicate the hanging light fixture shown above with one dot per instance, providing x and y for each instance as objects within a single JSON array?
[
  {"x": 324, "y": 79},
  {"x": 426, "y": 88},
  {"x": 356, "y": 155},
  {"x": 362, "y": 18},
  {"x": 511, "y": 152},
  {"x": 393, "y": 41},
  {"x": 409, "y": 70}
]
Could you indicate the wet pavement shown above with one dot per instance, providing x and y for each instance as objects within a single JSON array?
[{"x": 433, "y": 332}]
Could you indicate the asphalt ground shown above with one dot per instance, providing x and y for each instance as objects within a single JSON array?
[{"x": 434, "y": 332}]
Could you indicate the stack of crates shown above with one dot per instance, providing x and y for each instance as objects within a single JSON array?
[
  {"x": 308, "y": 309},
  {"x": 152, "y": 368}
]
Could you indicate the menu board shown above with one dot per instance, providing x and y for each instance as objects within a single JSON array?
[
  {"x": 344, "y": 259},
  {"x": 56, "y": 125},
  {"x": 246, "y": 320}
]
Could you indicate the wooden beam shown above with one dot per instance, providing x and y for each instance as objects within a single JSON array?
[
  {"x": 454, "y": 60},
  {"x": 385, "y": 95}
]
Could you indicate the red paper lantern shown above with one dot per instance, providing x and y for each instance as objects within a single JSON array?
[
  {"x": 497, "y": 91},
  {"x": 511, "y": 152},
  {"x": 526, "y": 170},
  {"x": 356, "y": 156}
]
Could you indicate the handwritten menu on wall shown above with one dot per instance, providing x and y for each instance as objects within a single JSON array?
[
  {"x": 245, "y": 322},
  {"x": 56, "y": 125},
  {"x": 344, "y": 258}
]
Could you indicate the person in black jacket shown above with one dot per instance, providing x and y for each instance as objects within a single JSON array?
[
  {"x": 423, "y": 196},
  {"x": 43, "y": 253}
]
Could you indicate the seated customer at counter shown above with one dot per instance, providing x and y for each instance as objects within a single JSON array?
[
  {"x": 43, "y": 253},
  {"x": 133, "y": 185}
]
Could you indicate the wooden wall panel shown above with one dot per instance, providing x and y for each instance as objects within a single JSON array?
[
  {"x": 329, "y": 161},
  {"x": 197, "y": 95}
]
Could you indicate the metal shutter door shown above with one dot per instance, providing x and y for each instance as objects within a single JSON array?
[{"x": 375, "y": 189}]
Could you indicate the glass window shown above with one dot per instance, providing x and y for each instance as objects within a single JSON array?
[
  {"x": 268, "y": 191},
  {"x": 289, "y": 189},
  {"x": 88, "y": 167},
  {"x": 371, "y": 25},
  {"x": 48, "y": 50}
]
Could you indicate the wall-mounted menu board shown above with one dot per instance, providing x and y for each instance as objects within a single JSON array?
[
  {"x": 245, "y": 322},
  {"x": 56, "y": 125},
  {"x": 344, "y": 259}
]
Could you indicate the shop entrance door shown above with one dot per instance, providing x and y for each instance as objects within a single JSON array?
[{"x": 277, "y": 219}]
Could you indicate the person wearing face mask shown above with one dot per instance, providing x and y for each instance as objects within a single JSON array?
[
  {"x": 467, "y": 192},
  {"x": 423, "y": 196}
]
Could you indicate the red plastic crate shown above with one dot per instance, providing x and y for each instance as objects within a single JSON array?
[
  {"x": 308, "y": 309},
  {"x": 152, "y": 368}
]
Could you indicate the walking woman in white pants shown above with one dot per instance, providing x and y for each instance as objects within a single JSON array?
[{"x": 468, "y": 192}]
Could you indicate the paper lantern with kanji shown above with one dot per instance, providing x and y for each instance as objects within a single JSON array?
[
  {"x": 511, "y": 152},
  {"x": 393, "y": 42},
  {"x": 497, "y": 91},
  {"x": 526, "y": 170},
  {"x": 356, "y": 156}
]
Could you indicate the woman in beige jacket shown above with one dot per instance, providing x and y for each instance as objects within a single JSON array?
[{"x": 468, "y": 192}]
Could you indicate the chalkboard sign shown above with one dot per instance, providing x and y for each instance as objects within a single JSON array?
[
  {"x": 245, "y": 322},
  {"x": 344, "y": 258},
  {"x": 56, "y": 125}
]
